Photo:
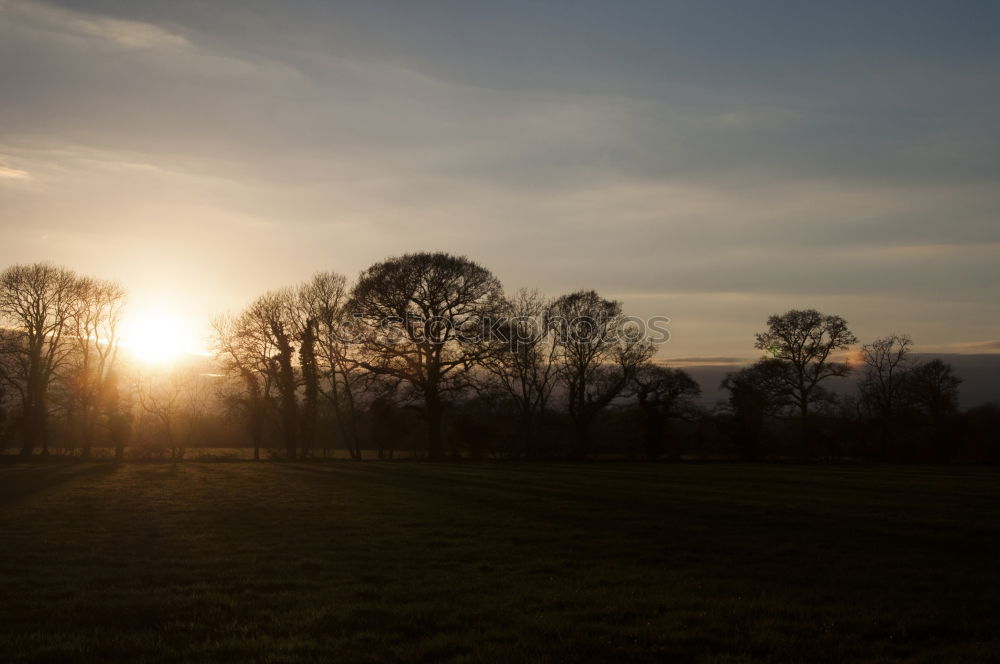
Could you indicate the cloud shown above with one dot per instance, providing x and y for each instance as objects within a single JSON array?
[
  {"x": 966, "y": 347},
  {"x": 709, "y": 360},
  {"x": 119, "y": 32},
  {"x": 836, "y": 162},
  {"x": 7, "y": 173}
]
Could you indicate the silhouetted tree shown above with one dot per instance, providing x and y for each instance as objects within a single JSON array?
[
  {"x": 932, "y": 388},
  {"x": 310, "y": 383},
  {"x": 886, "y": 361},
  {"x": 272, "y": 310},
  {"x": 805, "y": 339},
  {"x": 119, "y": 416},
  {"x": 38, "y": 303},
  {"x": 521, "y": 361},
  {"x": 260, "y": 347},
  {"x": 95, "y": 330},
  {"x": 245, "y": 358},
  {"x": 931, "y": 393},
  {"x": 323, "y": 299},
  {"x": 176, "y": 401},
  {"x": 756, "y": 393},
  {"x": 663, "y": 393},
  {"x": 598, "y": 353},
  {"x": 421, "y": 320}
]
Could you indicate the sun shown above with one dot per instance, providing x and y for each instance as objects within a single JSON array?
[{"x": 157, "y": 337}]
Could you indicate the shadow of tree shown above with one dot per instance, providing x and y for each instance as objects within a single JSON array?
[{"x": 27, "y": 480}]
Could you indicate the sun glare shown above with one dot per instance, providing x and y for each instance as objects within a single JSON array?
[{"x": 157, "y": 337}]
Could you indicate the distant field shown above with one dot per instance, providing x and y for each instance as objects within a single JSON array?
[
  {"x": 140, "y": 453},
  {"x": 403, "y": 561}
]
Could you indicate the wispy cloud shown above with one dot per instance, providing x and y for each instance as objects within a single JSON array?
[
  {"x": 965, "y": 347},
  {"x": 7, "y": 173},
  {"x": 623, "y": 151},
  {"x": 121, "y": 32},
  {"x": 712, "y": 360}
]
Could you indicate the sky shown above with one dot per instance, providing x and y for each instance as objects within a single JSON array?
[{"x": 710, "y": 162}]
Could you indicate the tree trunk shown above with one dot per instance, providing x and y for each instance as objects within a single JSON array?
[
  {"x": 581, "y": 447},
  {"x": 255, "y": 436},
  {"x": 41, "y": 425},
  {"x": 527, "y": 433},
  {"x": 434, "y": 415},
  {"x": 653, "y": 437},
  {"x": 804, "y": 424},
  {"x": 28, "y": 420},
  {"x": 88, "y": 433},
  {"x": 290, "y": 418}
]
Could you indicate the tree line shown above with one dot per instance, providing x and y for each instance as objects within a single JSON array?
[{"x": 426, "y": 354}]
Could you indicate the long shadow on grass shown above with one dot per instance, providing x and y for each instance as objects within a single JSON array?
[
  {"x": 21, "y": 482},
  {"x": 822, "y": 543}
]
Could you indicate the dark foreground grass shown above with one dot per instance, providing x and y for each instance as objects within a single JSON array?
[{"x": 411, "y": 562}]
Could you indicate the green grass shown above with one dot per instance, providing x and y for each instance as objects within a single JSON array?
[{"x": 411, "y": 562}]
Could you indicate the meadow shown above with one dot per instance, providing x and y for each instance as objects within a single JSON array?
[{"x": 341, "y": 561}]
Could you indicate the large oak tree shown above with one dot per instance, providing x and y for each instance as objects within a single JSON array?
[
  {"x": 805, "y": 340},
  {"x": 598, "y": 351},
  {"x": 39, "y": 305},
  {"x": 421, "y": 319}
]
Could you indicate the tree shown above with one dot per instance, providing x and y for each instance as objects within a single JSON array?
[
  {"x": 323, "y": 300},
  {"x": 288, "y": 349},
  {"x": 38, "y": 303},
  {"x": 420, "y": 320},
  {"x": 521, "y": 361},
  {"x": 932, "y": 389},
  {"x": 119, "y": 416},
  {"x": 274, "y": 319},
  {"x": 663, "y": 393},
  {"x": 310, "y": 383},
  {"x": 756, "y": 393},
  {"x": 805, "y": 339},
  {"x": 886, "y": 362},
  {"x": 245, "y": 359},
  {"x": 175, "y": 401},
  {"x": 95, "y": 330},
  {"x": 598, "y": 353},
  {"x": 931, "y": 394},
  {"x": 260, "y": 347}
]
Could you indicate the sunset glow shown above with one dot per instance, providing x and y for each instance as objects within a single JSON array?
[{"x": 158, "y": 336}]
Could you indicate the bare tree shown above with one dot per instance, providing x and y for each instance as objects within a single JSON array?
[
  {"x": 756, "y": 393},
  {"x": 421, "y": 318},
  {"x": 663, "y": 394},
  {"x": 310, "y": 371},
  {"x": 176, "y": 402},
  {"x": 886, "y": 361},
  {"x": 38, "y": 303},
  {"x": 340, "y": 380},
  {"x": 932, "y": 388},
  {"x": 95, "y": 328},
  {"x": 805, "y": 340},
  {"x": 119, "y": 415},
  {"x": 287, "y": 349},
  {"x": 598, "y": 353},
  {"x": 931, "y": 392},
  {"x": 245, "y": 357},
  {"x": 269, "y": 325},
  {"x": 522, "y": 360}
]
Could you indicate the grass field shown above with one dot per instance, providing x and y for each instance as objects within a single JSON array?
[{"x": 411, "y": 562}]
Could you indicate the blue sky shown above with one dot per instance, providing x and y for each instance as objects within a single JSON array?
[{"x": 711, "y": 162}]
